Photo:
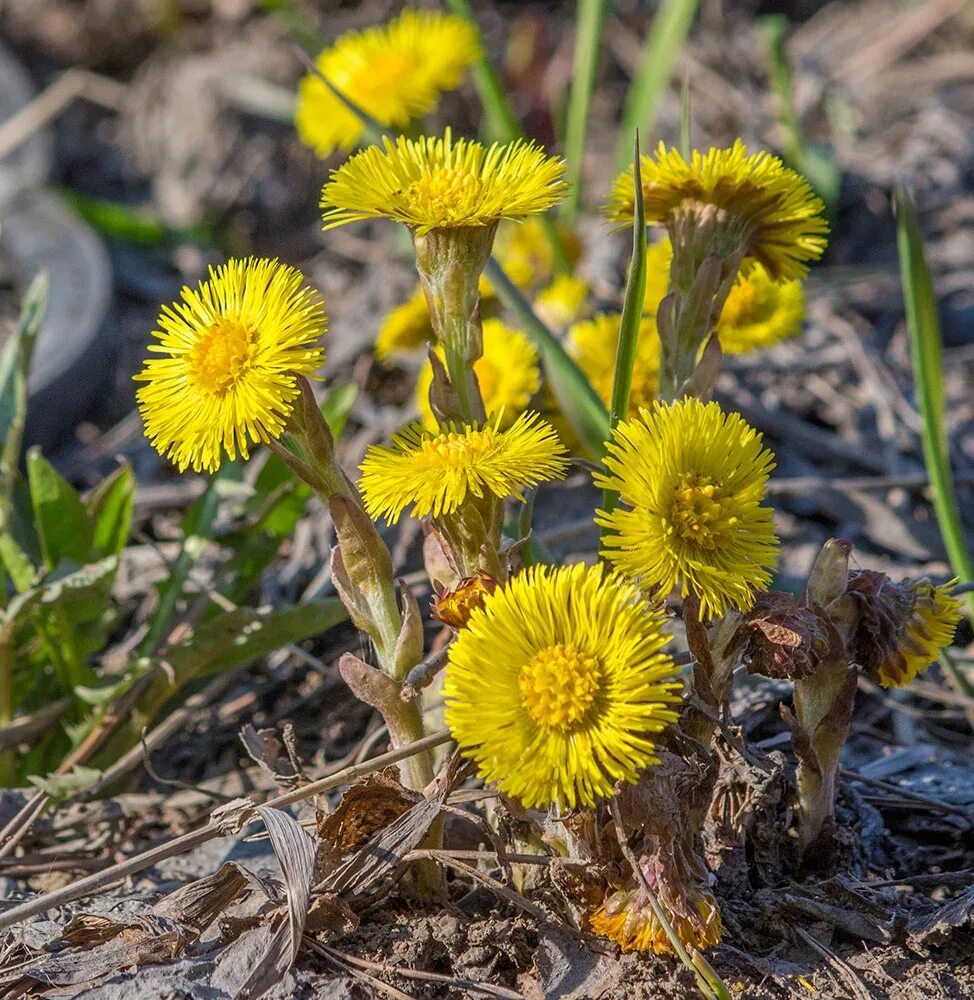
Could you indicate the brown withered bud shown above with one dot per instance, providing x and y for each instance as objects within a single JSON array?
[
  {"x": 454, "y": 607},
  {"x": 782, "y": 638}
]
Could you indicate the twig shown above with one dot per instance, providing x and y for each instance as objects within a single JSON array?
[
  {"x": 211, "y": 831},
  {"x": 423, "y": 673}
]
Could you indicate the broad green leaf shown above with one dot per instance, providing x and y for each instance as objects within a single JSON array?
[
  {"x": 109, "y": 511},
  {"x": 573, "y": 391},
  {"x": 59, "y": 514},
  {"x": 923, "y": 325},
  {"x": 337, "y": 405}
]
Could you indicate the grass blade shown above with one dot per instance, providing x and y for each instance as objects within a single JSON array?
[
  {"x": 925, "y": 347},
  {"x": 632, "y": 314},
  {"x": 663, "y": 43},
  {"x": 588, "y": 35},
  {"x": 502, "y": 126},
  {"x": 817, "y": 164},
  {"x": 573, "y": 391}
]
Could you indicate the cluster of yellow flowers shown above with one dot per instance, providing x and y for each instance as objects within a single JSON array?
[{"x": 557, "y": 681}]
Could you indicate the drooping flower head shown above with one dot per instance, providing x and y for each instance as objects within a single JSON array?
[
  {"x": 692, "y": 479},
  {"x": 394, "y": 72},
  {"x": 557, "y": 684},
  {"x": 593, "y": 344},
  {"x": 231, "y": 349},
  {"x": 438, "y": 183},
  {"x": 437, "y": 472},
  {"x": 755, "y": 196},
  {"x": 627, "y": 918},
  {"x": 509, "y": 374},
  {"x": 902, "y": 626}
]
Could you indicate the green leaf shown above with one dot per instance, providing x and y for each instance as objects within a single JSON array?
[
  {"x": 337, "y": 405},
  {"x": 573, "y": 391},
  {"x": 109, "y": 511},
  {"x": 661, "y": 49},
  {"x": 923, "y": 325},
  {"x": 632, "y": 314},
  {"x": 59, "y": 514},
  {"x": 589, "y": 19},
  {"x": 60, "y": 787}
]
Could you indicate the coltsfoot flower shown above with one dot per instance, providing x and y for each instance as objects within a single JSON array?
[
  {"x": 902, "y": 626},
  {"x": 562, "y": 302},
  {"x": 524, "y": 251},
  {"x": 693, "y": 478},
  {"x": 438, "y": 472},
  {"x": 438, "y": 183},
  {"x": 394, "y": 72},
  {"x": 593, "y": 344},
  {"x": 627, "y": 918},
  {"x": 756, "y": 197},
  {"x": 231, "y": 350},
  {"x": 454, "y": 607},
  {"x": 508, "y": 372},
  {"x": 557, "y": 684}
]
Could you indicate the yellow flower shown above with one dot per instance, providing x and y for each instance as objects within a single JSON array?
[
  {"x": 659, "y": 256},
  {"x": 436, "y": 473},
  {"x": 693, "y": 478},
  {"x": 405, "y": 329},
  {"x": 772, "y": 206},
  {"x": 232, "y": 348},
  {"x": 760, "y": 312},
  {"x": 593, "y": 345},
  {"x": 394, "y": 72},
  {"x": 902, "y": 626},
  {"x": 436, "y": 183},
  {"x": 627, "y": 918},
  {"x": 454, "y": 607},
  {"x": 508, "y": 372},
  {"x": 562, "y": 302},
  {"x": 557, "y": 683},
  {"x": 524, "y": 251}
]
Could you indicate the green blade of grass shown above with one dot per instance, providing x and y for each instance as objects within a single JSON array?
[
  {"x": 573, "y": 391},
  {"x": 502, "y": 126},
  {"x": 632, "y": 314},
  {"x": 925, "y": 347},
  {"x": 663, "y": 43},
  {"x": 816, "y": 164},
  {"x": 588, "y": 34}
]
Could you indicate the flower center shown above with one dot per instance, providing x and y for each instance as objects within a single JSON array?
[
  {"x": 220, "y": 357},
  {"x": 444, "y": 190},
  {"x": 701, "y": 513},
  {"x": 559, "y": 685},
  {"x": 455, "y": 449}
]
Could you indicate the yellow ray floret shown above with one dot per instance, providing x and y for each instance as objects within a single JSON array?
[
  {"x": 778, "y": 211},
  {"x": 438, "y": 183},
  {"x": 394, "y": 72},
  {"x": 230, "y": 351},
  {"x": 692, "y": 479},
  {"x": 557, "y": 685},
  {"x": 437, "y": 472},
  {"x": 508, "y": 372},
  {"x": 593, "y": 344}
]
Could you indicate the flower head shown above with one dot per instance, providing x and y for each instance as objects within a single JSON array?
[
  {"x": 693, "y": 478},
  {"x": 562, "y": 302},
  {"x": 659, "y": 256},
  {"x": 508, "y": 372},
  {"x": 231, "y": 350},
  {"x": 437, "y": 472},
  {"x": 557, "y": 684},
  {"x": 760, "y": 312},
  {"x": 406, "y": 328},
  {"x": 394, "y": 72},
  {"x": 593, "y": 344},
  {"x": 454, "y": 607},
  {"x": 627, "y": 918},
  {"x": 438, "y": 183},
  {"x": 778, "y": 213},
  {"x": 524, "y": 251},
  {"x": 902, "y": 626}
]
